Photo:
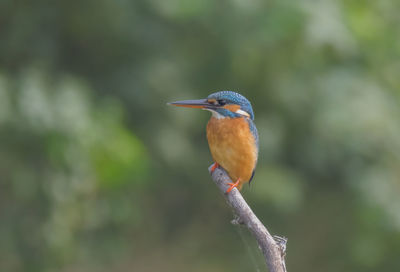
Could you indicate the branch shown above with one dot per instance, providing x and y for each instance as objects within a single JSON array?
[{"x": 273, "y": 248}]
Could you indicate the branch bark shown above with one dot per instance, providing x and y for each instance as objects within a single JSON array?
[{"x": 272, "y": 248}]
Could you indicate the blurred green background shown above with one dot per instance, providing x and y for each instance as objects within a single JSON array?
[{"x": 98, "y": 174}]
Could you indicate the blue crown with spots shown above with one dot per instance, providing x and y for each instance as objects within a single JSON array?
[{"x": 229, "y": 97}]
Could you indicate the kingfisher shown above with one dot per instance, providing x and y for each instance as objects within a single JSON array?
[{"x": 231, "y": 133}]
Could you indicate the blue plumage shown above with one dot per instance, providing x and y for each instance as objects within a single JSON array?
[{"x": 235, "y": 99}]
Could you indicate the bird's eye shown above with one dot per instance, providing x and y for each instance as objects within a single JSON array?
[{"x": 221, "y": 102}]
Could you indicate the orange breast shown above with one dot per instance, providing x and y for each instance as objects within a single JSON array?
[{"x": 233, "y": 146}]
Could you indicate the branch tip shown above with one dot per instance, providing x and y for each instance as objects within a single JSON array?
[{"x": 272, "y": 247}]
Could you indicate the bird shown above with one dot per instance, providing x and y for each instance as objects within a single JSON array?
[{"x": 231, "y": 134}]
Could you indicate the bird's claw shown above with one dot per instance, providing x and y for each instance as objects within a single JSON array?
[
  {"x": 232, "y": 185},
  {"x": 214, "y": 166}
]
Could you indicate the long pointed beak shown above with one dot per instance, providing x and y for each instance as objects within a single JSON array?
[{"x": 199, "y": 103}]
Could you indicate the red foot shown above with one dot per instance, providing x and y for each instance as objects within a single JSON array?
[
  {"x": 215, "y": 166},
  {"x": 232, "y": 185}
]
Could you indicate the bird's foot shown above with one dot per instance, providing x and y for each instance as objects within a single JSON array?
[
  {"x": 214, "y": 166},
  {"x": 232, "y": 185}
]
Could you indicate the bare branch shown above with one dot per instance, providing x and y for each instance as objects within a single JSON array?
[{"x": 272, "y": 248}]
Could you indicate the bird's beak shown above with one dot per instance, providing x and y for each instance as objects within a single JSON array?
[{"x": 199, "y": 103}]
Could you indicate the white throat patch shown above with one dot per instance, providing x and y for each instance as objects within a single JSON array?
[
  {"x": 220, "y": 116},
  {"x": 216, "y": 114}
]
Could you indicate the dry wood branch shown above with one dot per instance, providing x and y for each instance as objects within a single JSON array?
[{"x": 272, "y": 248}]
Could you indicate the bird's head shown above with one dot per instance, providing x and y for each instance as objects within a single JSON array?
[{"x": 222, "y": 104}]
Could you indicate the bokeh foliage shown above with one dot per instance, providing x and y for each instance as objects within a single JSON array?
[{"x": 98, "y": 174}]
